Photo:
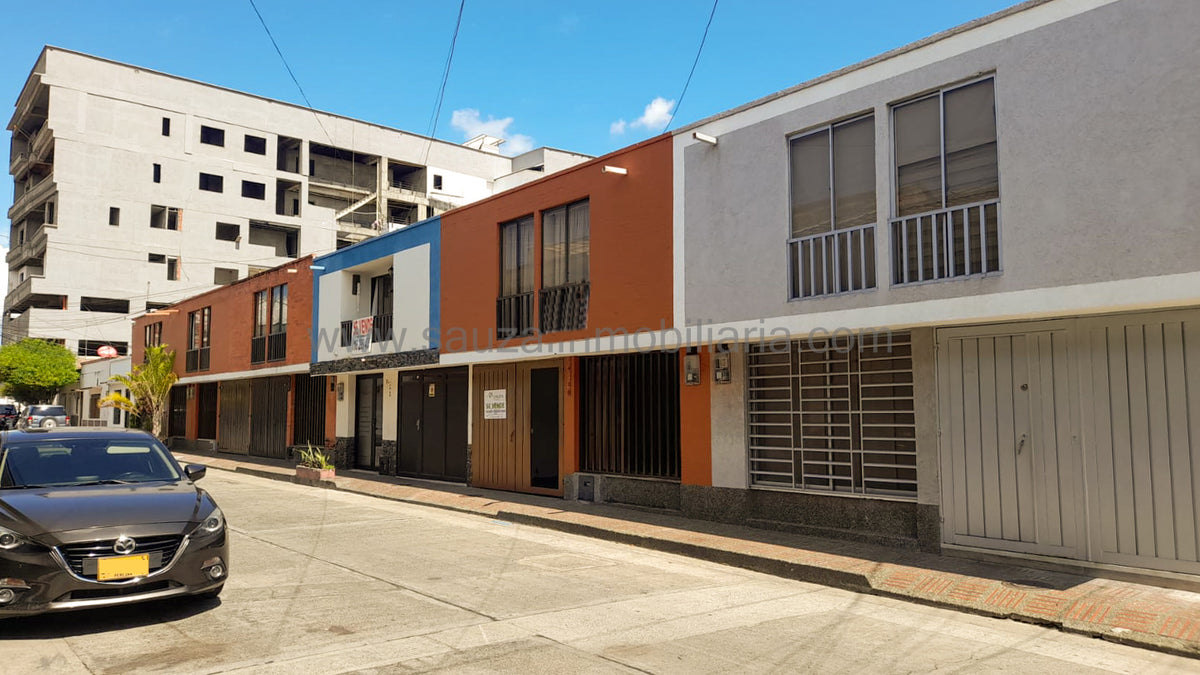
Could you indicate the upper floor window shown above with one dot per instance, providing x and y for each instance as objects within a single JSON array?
[
  {"x": 947, "y": 179},
  {"x": 212, "y": 136},
  {"x": 164, "y": 217},
  {"x": 832, "y": 244},
  {"x": 255, "y": 144},
  {"x": 166, "y": 126},
  {"x": 199, "y": 328},
  {"x": 566, "y": 244},
  {"x": 269, "y": 339},
  {"x": 152, "y": 334},
  {"x": 514, "y": 308},
  {"x": 212, "y": 182}
]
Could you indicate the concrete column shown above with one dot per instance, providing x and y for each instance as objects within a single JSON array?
[
  {"x": 391, "y": 395},
  {"x": 381, "y": 183}
]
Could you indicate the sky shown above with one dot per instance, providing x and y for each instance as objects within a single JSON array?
[{"x": 588, "y": 76}]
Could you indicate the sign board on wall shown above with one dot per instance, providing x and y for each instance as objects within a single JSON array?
[
  {"x": 360, "y": 334},
  {"x": 495, "y": 404}
]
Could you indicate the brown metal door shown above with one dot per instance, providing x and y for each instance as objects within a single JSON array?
[
  {"x": 207, "y": 410},
  {"x": 268, "y": 415},
  {"x": 233, "y": 434},
  {"x": 308, "y": 410}
]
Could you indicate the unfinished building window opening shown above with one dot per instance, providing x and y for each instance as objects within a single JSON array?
[
  {"x": 92, "y": 348},
  {"x": 287, "y": 154},
  {"x": 172, "y": 269},
  {"x": 406, "y": 177},
  {"x": 212, "y": 136},
  {"x": 401, "y": 214},
  {"x": 563, "y": 301},
  {"x": 514, "y": 307},
  {"x": 223, "y": 276},
  {"x": 164, "y": 217},
  {"x": 110, "y": 305},
  {"x": 212, "y": 183},
  {"x": 253, "y": 190},
  {"x": 287, "y": 197},
  {"x": 834, "y": 416},
  {"x": 256, "y": 145},
  {"x": 166, "y": 126},
  {"x": 437, "y": 182},
  {"x": 629, "y": 415},
  {"x": 340, "y": 166},
  {"x": 229, "y": 232},
  {"x": 285, "y": 241},
  {"x": 114, "y": 216},
  {"x": 156, "y": 258},
  {"x": 158, "y": 173},
  {"x": 49, "y": 213},
  {"x": 155, "y": 306}
]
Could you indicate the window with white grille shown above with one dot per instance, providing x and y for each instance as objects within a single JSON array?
[{"x": 833, "y": 415}]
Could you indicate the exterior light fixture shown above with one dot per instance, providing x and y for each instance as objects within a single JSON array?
[
  {"x": 704, "y": 138},
  {"x": 619, "y": 170},
  {"x": 319, "y": 268},
  {"x": 293, "y": 270}
]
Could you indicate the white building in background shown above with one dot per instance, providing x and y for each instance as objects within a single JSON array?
[
  {"x": 133, "y": 189},
  {"x": 96, "y": 382}
]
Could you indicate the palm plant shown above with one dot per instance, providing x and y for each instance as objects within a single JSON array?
[{"x": 149, "y": 388}]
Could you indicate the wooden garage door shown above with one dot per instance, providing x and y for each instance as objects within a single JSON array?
[{"x": 1143, "y": 431}]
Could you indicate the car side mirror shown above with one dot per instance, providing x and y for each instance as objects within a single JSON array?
[{"x": 195, "y": 472}]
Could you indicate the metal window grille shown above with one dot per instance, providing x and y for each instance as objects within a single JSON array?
[
  {"x": 629, "y": 414},
  {"x": 564, "y": 307},
  {"x": 833, "y": 262},
  {"x": 833, "y": 416},
  {"x": 514, "y": 316},
  {"x": 960, "y": 241}
]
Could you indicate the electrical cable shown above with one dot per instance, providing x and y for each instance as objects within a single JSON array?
[
  {"x": 437, "y": 109},
  {"x": 289, "y": 70},
  {"x": 704, "y": 37}
]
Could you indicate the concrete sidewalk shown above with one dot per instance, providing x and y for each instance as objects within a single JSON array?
[{"x": 1130, "y": 613}]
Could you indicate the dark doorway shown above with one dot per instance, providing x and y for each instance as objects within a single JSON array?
[
  {"x": 268, "y": 416},
  {"x": 543, "y": 428},
  {"x": 368, "y": 430},
  {"x": 177, "y": 421},
  {"x": 207, "y": 410},
  {"x": 308, "y": 410},
  {"x": 234, "y": 423},
  {"x": 629, "y": 414},
  {"x": 432, "y": 439}
]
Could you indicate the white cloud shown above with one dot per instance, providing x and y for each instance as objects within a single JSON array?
[
  {"x": 656, "y": 115},
  {"x": 471, "y": 123},
  {"x": 654, "y": 118}
]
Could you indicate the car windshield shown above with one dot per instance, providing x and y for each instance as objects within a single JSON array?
[{"x": 84, "y": 461}]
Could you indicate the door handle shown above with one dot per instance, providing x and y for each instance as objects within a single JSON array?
[
  {"x": 1021, "y": 444},
  {"x": 418, "y": 424}
]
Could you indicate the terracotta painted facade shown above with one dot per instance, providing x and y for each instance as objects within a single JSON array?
[{"x": 630, "y": 247}]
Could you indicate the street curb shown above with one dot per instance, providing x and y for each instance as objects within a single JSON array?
[{"x": 798, "y": 571}]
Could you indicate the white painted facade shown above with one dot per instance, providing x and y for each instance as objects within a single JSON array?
[
  {"x": 97, "y": 144},
  {"x": 95, "y": 382}
]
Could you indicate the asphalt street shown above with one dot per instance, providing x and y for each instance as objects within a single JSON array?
[{"x": 328, "y": 582}]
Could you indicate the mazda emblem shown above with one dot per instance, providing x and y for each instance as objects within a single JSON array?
[{"x": 124, "y": 545}]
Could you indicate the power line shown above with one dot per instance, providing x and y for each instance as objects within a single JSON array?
[
  {"x": 289, "y": 70},
  {"x": 437, "y": 109},
  {"x": 704, "y": 37}
]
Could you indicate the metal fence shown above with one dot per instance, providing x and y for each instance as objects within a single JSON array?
[
  {"x": 832, "y": 262},
  {"x": 960, "y": 241}
]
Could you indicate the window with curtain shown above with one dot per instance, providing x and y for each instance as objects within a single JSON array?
[
  {"x": 279, "y": 308},
  {"x": 832, "y": 245},
  {"x": 261, "y": 312},
  {"x": 566, "y": 248},
  {"x": 514, "y": 307}
]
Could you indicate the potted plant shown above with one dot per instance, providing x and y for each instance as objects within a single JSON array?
[{"x": 314, "y": 465}]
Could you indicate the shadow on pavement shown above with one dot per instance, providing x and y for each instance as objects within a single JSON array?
[{"x": 103, "y": 619}]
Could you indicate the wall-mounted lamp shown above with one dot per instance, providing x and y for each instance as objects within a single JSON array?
[
  {"x": 319, "y": 268},
  {"x": 293, "y": 270},
  {"x": 619, "y": 170},
  {"x": 704, "y": 138},
  {"x": 14, "y": 315}
]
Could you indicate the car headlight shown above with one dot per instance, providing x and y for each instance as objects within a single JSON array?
[
  {"x": 10, "y": 540},
  {"x": 213, "y": 524}
]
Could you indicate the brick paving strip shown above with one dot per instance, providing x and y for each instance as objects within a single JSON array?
[{"x": 1145, "y": 616}]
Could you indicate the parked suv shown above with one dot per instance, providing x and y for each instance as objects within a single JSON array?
[
  {"x": 9, "y": 416},
  {"x": 45, "y": 417}
]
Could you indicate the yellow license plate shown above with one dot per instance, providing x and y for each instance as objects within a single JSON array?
[{"x": 125, "y": 567}]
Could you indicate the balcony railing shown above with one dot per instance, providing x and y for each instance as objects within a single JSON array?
[
  {"x": 834, "y": 262},
  {"x": 514, "y": 315},
  {"x": 564, "y": 307},
  {"x": 381, "y": 329},
  {"x": 407, "y": 185},
  {"x": 271, "y": 347},
  {"x": 960, "y": 241},
  {"x": 196, "y": 359}
]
